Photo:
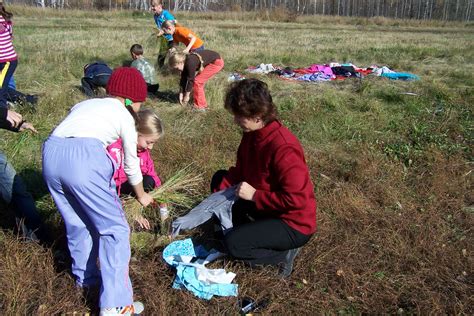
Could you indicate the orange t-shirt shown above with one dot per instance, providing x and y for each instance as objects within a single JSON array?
[{"x": 181, "y": 35}]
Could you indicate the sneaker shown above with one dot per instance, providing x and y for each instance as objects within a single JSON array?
[
  {"x": 287, "y": 267},
  {"x": 135, "y": 309}
]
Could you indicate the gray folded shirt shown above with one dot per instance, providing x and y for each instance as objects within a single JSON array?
[{"x": 218, "y": 204}]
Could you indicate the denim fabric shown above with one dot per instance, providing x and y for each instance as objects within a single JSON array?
[
  {"x": 218, "y": 204},
  {"x": 13, "y": 191}
]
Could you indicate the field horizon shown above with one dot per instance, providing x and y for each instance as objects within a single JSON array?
[{"x": 391, "y": 161}]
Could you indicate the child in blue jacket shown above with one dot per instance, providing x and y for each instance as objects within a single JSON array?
[{"x": 166, "y": 40}]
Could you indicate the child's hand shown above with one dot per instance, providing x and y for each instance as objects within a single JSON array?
[
  {"x": 186, "y": 51},
  {"x": 185, "y": 99},
  {"x": 160, "y": 33},
  {"x": 29, "y": 126},
  {"x": 143, "y": 222},
  {"x": 145, "y": 199}
]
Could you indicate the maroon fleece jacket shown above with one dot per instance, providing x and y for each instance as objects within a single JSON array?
[{"x": 271, "y": 160}]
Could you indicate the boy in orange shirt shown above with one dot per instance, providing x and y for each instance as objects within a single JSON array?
[{"x": 183, "y": 35}]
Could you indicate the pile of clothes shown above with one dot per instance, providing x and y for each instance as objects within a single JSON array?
[
  {"x": 190, "y": 261},
  {"x": 328, "y": 72}
]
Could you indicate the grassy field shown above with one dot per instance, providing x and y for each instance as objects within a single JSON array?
[{"x": 392, "y": 171}]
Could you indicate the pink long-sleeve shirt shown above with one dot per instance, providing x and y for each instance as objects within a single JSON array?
[{"x": 147, "y": 165}]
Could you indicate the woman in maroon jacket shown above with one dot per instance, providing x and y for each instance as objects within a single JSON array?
[{"x": 276, "y": 212}]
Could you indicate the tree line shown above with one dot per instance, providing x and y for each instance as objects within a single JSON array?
[{"x": 452, "y": 10}]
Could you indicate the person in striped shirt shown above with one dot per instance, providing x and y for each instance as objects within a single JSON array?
[{"x": 8, "y": 56}]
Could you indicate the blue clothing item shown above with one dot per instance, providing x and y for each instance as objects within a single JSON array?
[
  {"x": 160, "y": 18},
  {"x": 199, "y": 49},
  {"x": 13, "y": 192},
  {"x": 179, "y": 254},
  {"x": 6, "y": 72},
  {"x": 97, "y": 69},
  {"x": 79, "y": 175},
  {"x": 12, "y": 83},
  {"x": 218, "y": 204},
  {"x": 314, "y": 77},
  {"x": 400, "y": 76}
]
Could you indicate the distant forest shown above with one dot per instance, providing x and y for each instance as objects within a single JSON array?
[{"x": 454, "y": 10}]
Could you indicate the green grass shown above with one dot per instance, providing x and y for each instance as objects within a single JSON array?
[{"x": 392, "y": 171}]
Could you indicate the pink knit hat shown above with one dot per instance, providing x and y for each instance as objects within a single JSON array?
[{"x": 127, "y": 82}]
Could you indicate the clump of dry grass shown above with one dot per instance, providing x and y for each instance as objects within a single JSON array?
[{"x": 178, "y": 191}]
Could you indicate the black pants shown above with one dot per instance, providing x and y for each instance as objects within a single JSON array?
[
  {"x": 127, "y": 189},
  {"x": 257, "y": 238},
  {"x": 6, "y": 69},
  {"x": 90, "y": 84},
  {"x": 152, "y": 88}
]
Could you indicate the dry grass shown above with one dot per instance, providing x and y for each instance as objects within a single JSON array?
[{"x": 393, "y": 173}]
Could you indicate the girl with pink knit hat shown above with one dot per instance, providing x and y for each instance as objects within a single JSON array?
[{"x": 79, "y": 175}]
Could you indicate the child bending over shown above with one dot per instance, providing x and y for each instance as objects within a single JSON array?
[
  {"x": 183, "y": 35},
  {"x": 196, "y": 69},
  {"x": 78, "y": 172}
]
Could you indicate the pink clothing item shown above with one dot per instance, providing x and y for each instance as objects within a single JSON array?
[
  {"x": 147, "y": 166},
  {"x": 200, "y": 80},
  {"x": 7, "y": 52},
  {"x": 321, "y": 68}
]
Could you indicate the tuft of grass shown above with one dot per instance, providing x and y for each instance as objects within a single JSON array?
[{"x": 177, "y": 191}]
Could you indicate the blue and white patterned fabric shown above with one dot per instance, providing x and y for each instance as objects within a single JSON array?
[{"x": 191, "y": 273}]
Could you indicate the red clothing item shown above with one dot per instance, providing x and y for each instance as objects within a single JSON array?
[
  {"x": 271, "y": 160},
  {"x": 207, "y": 73}
]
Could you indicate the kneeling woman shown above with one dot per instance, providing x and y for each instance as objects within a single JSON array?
[
  {"x": 276, "y": 212},
  {"x": 196, "y": 69}
]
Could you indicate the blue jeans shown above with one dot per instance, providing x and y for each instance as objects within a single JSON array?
[{"x": 13, "y": 191}]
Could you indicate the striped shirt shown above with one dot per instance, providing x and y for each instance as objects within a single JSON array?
[{"x": 7, "y": 52}]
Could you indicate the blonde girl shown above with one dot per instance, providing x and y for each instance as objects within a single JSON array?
[
  {"x": 196, "y": 69},
  {"x": 150, "y": 130}
]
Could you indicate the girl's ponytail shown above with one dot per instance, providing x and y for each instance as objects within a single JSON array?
[{"x": 4, "y": 13}]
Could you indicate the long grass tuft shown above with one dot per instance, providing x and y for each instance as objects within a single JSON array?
[{"x": 179, "y": 191}]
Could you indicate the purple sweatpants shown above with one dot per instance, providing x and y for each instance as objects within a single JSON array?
[{"x": 78, "y": 173}]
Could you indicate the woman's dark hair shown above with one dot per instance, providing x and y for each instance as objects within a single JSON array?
[
  {"x": 3, "y": 12},
  {"x": 250, "y": 98}
]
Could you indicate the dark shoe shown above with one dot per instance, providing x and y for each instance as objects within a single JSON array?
[
  {"x": 32, "y": 99},
  {"x": 287, "y": 267}
]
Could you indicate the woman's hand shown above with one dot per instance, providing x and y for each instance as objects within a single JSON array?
[
  {"x": 245, "y": 191},
  {"x": 143, "y": 222}
]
